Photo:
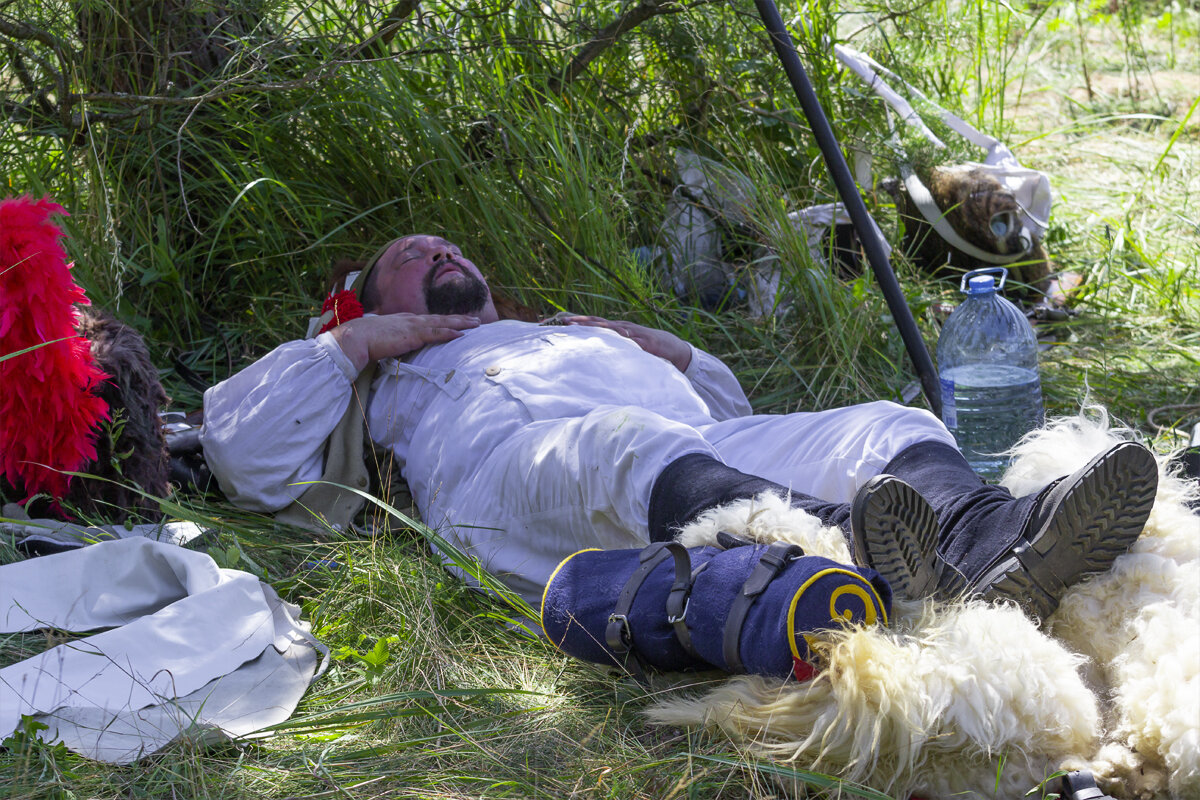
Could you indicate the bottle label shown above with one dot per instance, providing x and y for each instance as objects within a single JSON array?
[{"x": 949, "y": 412}]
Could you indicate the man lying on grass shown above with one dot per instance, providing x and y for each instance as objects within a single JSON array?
[{"x": 525, "y": 443}]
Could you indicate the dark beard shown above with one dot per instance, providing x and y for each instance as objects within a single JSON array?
[{"x": 465, "y": 296}]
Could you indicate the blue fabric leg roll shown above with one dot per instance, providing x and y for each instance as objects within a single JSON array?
[{"x": 748, "y": 611}]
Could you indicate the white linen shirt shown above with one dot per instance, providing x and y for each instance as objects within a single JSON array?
[
  {"x": 442, "y": 409},
  {"x": 524, "y": 443},
  {"x": 449, "y": 409}
]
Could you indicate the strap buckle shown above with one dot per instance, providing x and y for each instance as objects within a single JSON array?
[
  {"x": 616, "y": 633},
  {"x": 1081, "y": 785},
  {"x": 772, "y": 560},
  {"x": 682, "y": 616}
]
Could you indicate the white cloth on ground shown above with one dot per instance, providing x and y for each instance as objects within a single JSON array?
[
  {"x": 194, "y": 649},
  {"x": 524, "y": 443},
  {"x": 58, "y": 535}
]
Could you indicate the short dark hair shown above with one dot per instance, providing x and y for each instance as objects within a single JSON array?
[
  {"x": 341, "y": 268},
  {"x": 369, "y": 294}
]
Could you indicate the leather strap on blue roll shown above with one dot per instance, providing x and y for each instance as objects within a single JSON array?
[{"x": 747, "y": 609}]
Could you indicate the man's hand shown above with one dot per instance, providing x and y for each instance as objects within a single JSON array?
[
  {"x": 655, "y": 342},
  {"x": 369, "y": 339}
]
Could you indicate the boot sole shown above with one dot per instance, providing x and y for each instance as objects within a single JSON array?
[
  {"x": 1095, "y": 522},
  {"x": 895, "y": 532}
]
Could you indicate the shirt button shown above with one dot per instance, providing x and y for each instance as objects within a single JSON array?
[
  {"x": 449, "y": 376},
  {"x": 492, "y": 371}
]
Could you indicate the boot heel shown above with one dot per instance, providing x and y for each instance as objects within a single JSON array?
[{"x": 895, "y": 532}]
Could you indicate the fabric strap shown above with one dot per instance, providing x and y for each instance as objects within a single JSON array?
[
  {"x": 679, "y": 599},
  {"x": 618, "y": 635},
  {"x": 772, "y": 560},
  {"x": 1030, "y": 187},
  {"x": 326, "y": 503}
]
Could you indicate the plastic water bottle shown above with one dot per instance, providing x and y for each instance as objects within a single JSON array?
[{"x": 988, "y": 367}]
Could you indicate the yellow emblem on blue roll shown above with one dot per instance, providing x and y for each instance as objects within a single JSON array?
[{"x": 842, "y": 605}]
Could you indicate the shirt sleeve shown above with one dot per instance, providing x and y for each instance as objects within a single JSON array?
[
  {"x": 265, "y": 428},
  {"x": 717, "y": 386}
]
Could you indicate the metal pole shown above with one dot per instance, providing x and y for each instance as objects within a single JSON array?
[{"x": 868, "y": 234}]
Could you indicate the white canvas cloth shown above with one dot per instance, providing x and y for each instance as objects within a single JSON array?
[
  {"x": 54, "y": 535},
  {"x": 192, "y": 649}
]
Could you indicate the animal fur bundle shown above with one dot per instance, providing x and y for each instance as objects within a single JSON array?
[
  {"x": 968, "y": 699},
  {"x": 86, "y": 397},
  {"x": 131, "y": 452},
  {"x": 980, "y": 209}
]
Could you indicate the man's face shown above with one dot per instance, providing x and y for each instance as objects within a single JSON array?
[{"x": 429, "y": 275}]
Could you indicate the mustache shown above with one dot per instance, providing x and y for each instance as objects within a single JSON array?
[{"x": 427, "y": 281}]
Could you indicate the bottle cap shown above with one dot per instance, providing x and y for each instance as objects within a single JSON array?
[
  {"x": 981, "y": 284},
  {"x": 983, "y": 281}
]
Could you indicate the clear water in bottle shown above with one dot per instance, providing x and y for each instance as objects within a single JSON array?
[
  {"x": 989, "y": 407},
  {"x": 987, "y": 364}
]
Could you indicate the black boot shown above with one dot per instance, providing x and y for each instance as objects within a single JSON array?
[
  {"x": 894, "y": 531},
  {"x": 889, "y": 526},
  {"x": 1029, "y": 549},
  {"x": 692, "y": 484}
]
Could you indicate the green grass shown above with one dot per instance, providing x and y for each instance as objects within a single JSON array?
[{"x": 210, "y": 228}]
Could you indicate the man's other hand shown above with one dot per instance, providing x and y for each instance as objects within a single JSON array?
[
  {"x": 654, "y": 341},
  {"x": 369, "y": 339}
]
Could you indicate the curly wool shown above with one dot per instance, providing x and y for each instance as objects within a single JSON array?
[
  {"x": 968, "y": 699},
  {"x": 48, "y": 409},
  {"x": 933, "y": 704},
  {"x": 1140, "y": 624}
]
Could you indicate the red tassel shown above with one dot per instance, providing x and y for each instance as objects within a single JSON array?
[
  {"x": 345, "y": 307},
  {"x": 802, "y": 670},
  {"x": 48, "y": 414}
]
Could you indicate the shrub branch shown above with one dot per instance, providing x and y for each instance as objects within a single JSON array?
[{"x": 607, "y": 37}]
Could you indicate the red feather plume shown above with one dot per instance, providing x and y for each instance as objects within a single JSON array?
[{"x": 48, "y": 412}]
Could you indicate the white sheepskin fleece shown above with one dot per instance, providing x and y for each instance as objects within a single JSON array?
[{"x": 972, "y": 700}]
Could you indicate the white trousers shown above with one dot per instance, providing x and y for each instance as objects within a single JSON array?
[{"x": 561, "y": 486}]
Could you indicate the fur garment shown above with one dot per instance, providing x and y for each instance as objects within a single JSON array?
[
  {"x": 972, "y": 700},
  {"x": 131, "y": 451}
]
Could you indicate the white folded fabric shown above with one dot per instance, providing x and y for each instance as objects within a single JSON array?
[
  {"x": 54, "y": 535},
  {"x": 192, "y": 649}
]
